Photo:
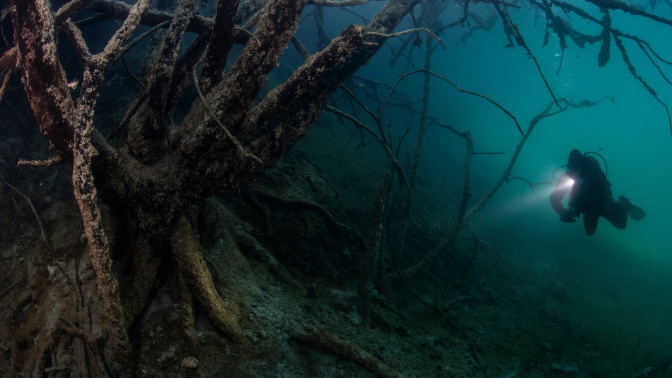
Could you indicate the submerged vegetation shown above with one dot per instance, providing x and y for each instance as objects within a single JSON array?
[{"x": 222, "y": 222}]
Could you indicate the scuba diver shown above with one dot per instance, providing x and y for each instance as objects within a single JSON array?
[{"x": 590, "y": 195}]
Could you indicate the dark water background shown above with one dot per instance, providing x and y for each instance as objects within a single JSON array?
[{"x": 618, "y": 281}]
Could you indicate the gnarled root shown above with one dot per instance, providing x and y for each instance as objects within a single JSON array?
[{"x": 187, "y": 252}]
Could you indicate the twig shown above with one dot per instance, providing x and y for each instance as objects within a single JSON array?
[
  {"x": 52, "y": 161},
  {"x": 360, "y": 103},
  {"x": 403, "y": 76},
  {"x": 5, "y": 81},
  {"x": 9, "y": 288},
  {"x": 380, "y": 140},
  {"x": 633, "y": 71},
  {"x": 521, "y": 41},
  {"x": 625, "y": 7},
  {"x": 492, "y": 248},
  {"x": 226, "y": 131},
  {"x": 9, "y": 61},
  {"x": 37, "y": 217},
  {"x": 531, "y": 185},
  {"x": 342, "y": 3},
  {"x": 364, "y": 19},
  {"x": 414, "y": 30},
  {"x": 641, "y": 46},
  {"x": 135, "y": 78},
  {"x": 139, "y": 38}
]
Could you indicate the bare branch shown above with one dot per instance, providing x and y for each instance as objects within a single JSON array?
[
  {"x": 10, "y": 65},
  {"x": 633, "y": 71},
  {"x": 403, "y": 76},
  {"x": 380, "y": 140},
  {"x": 8, "y": 58},
  {"x": 67, "y": 10},
  {"x": 303, "y": 51},
  {"x": 232, "y": 138},
  {"x": 521, "y": 42},
  {"x": 116, "y": 43},
  {"x": 341, "y": 3},
  {"x": 305, "y": 77},
  {"x": 139, "y": 38},
  {"x": 415, "y": 30},
  {"x": 55, "y": 160},
  {"x": 148, "y": 136},
  {"x": 620, "y": 5},
  {"x": 120, "y": 10},
  {"x": 78, "y": 41},
  {"x": 32, "y": 208},
  {"x": 220, "y": 44}
]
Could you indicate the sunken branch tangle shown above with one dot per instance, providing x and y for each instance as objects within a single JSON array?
[{"x": 158, "y": 174}]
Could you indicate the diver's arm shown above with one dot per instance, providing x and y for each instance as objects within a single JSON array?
[{"x": 562, "y": 188}]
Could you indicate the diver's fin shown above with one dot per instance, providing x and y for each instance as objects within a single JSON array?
[{"x": 636, "y": 212}]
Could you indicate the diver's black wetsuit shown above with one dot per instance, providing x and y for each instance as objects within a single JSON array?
[{"x": 590, "y": 195}]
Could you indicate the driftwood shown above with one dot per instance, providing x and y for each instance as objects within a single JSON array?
[{"x": 346, "y": 349}]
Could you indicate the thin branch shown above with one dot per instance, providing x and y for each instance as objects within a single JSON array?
[
  {"x": 530, "y": 184},
  {"x": 660, "y": 71},
  {"x": 521, "y": 42},
  {"x": 37, "y": 217},
  {"x": 633, "y": 71},
  {"x": 69, "y": 9},
  {"x": 220, "y": 42},
  {"x": 130, "y": 73},
  {"x": 226, "y": 131},
  {"x": 77, "y": 39},
  {"x": 303, "y": 51},
  {"x": 458, "y": 223},
  {"x": 52, "y": 161},
  {"x": 120, "y": 10},
  {"x": 116, "y": 43},
  {"x": 380, "y": 140},
  {"x": 8, "y": 75},
  {"x": 139, "y": 38},
  {"x": 9, "y": 288},
  {"x": 8, "y": 58},
  {"x": 494, "y": 250},
  {"x": 360, "y": 103},
  {"x": 342, "y": 3},
  {"x": 625, "y": 7},
  {"x": 364, "y": 19},
  {"x": 403, "y": 76},
  {"x": 415, "y": 30}
]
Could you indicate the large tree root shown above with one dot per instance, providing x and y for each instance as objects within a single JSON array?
[
  {"x": 188, "y": 256},
  {"x": 346, "y": 349}
]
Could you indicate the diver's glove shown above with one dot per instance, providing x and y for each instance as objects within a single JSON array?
[{"x": 568, "y": 216}]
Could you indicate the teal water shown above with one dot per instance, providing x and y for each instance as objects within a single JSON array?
[{"x": 619, "y": 281}]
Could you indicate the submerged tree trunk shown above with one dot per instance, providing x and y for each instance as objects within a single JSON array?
[{"x": 159, "y": 174}]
